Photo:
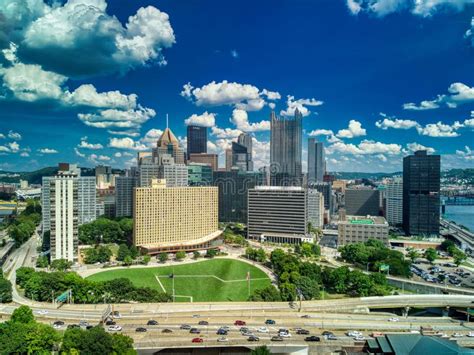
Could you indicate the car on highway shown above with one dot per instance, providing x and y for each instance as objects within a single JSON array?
[
  {"x": 196, "y": 315},
  {"x": 72, "y": 326},
  {"x": 140, "y": 330},
  {"x": 393, "y": 319},
  {"x": 253, "y": 338},
  {"x": 116, "y": 314},
  {"x": 240, "y": 322},
  {"x": 244, "y": 329},
  {"x": 152, "y": 322},
  {"x": 312, "y": 338},
  {"x": 470, "y": 334},
  {"x": 203, "y": 322},
  {"x": 222, "y": 340},
  {"x": 270, "y": 322},
  {"x": 197, "y": 340},
  {"x": 194, "y": 331},
  {"x": 110, "y": 322},
  {"x": 57, "y": 326},
  {"x": 221, "y": 331},
  {"x": 167, "y": 331},
  {"x": 262, "y": 330},
  {"x": 285, "y": 334},
  {"x": 353, "y": 333},
  {"x": 185, "y": 327},
  {"x": 306, "y": 316},
  {"x": 359, "y": 338},
  {"x": 276, "y": 338},
  {"x": 457, "y": 335},
  {"x": 302, "y": 332},
  {"x": 58, "y": 322},
  {"x": 42, "y": 312},
  {"x": 114, "y": 328}
]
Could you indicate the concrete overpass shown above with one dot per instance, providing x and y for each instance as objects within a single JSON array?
[{"x": 465, "y": 237}]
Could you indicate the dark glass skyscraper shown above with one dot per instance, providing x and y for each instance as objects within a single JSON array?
[
  {"x": 421, "y": 185},
  {"x": 197, "y": 139},
  {"x": 285, "y": 149},
  {"x": 316, "y": 161}
]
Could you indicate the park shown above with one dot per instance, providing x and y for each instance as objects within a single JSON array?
[{"x": 202, "y": 281}]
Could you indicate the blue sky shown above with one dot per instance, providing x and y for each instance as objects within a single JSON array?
[{"x": 90, "y": 81}]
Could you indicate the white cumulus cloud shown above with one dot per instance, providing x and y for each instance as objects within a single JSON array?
[
  {"x": 205, "y": 120},
  {"x": 353, "y": 130},
  {"x": 241, "y": 121},
  {"x": 126, "y": 143},
  {"x": 413, "y": 147},
  {"x": 300, "y": 104},
  {"x": 47, "y": 151},
  {"x": 86, "y": 145},
  {"x": 458, "y": 94}
]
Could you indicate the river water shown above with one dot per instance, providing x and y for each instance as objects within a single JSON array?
[{"x": 461, "y": 215}]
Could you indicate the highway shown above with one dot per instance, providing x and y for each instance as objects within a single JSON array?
[{"x": 465, "y": 237}]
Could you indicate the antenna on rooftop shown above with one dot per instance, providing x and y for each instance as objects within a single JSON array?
[{"x": 167, "y": 126}]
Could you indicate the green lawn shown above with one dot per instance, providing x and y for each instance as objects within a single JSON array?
[{"x": 198, "y": 280}]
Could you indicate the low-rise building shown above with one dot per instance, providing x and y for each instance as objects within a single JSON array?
[{"x": 358, "y": 229}]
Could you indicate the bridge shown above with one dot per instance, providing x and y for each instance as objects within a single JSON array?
[
  {"x": 463, "y": 200},
  {"x": 463, "y": 236}
]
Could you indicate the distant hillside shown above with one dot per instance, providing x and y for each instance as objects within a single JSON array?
[
  {"x": 371, "y": 176},
  {"x": 33, "y": 177}
]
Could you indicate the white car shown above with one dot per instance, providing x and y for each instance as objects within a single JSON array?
[
  {"x": 394, "y": 319},
  {"x": 262, "y": 330},
  {"x": 115, "y": 328},
  {"x": 457, "y": 335},
  {"x": 57, "y": 326},
  {"x": 222, "y": 340},
  {"x": 470, "y": 334},
  {"x": 42, "y": 312},
  {"x": 359, "y": 338},
  {"x": 285, "y": 334},
  {"x": 354, "y": 333}
]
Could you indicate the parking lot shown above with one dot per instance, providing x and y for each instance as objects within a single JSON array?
[{"x": 443, "y": 273}]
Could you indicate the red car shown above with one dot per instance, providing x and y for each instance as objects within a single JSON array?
[
  {"x": 197, "y": 340},
  {"x": 240, "y": 322}
]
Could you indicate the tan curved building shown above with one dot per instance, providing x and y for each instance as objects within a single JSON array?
[{"x": 169, "y": 219}]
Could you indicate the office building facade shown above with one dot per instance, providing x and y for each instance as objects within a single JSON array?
[
  {"x": 315, "y": 208},
  {"x": 278, "y": 214},
  {"x": 326, "y": 189},
  {"x": 421, "y": 200},
  {"x": 286, "y": 149},
  {"x": 168, "y": 144},
  {"x": 174, "y": 174},
  {"x": 245, "y": 140},
  {"x": 202, "y": 158},
  {"x": 359, "y": 229},
  {"x": 394, "y": 202},
  {"x": 175, "y": 218},
  {"x": 196, "y": 140},
  {"x": 233, "y": 192},
  {"x": 64, "y": 216},
  {"x": 316, "y": 161},
  {"x": 199, "y": 174},
  {"x": 362, "y": 202},
  {"x": 124, "y": 186}
]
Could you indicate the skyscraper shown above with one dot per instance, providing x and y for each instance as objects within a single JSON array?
[
  {"x": 362, "y": 202},
  {"x": 168, "y": 144},
  {"x": 316, "y": 161},
  {"x": 239, "y": 156},
  {"x": 245, "y": 140},
  {"x": 394, "y": 202},
  {"x": 197, "y": 139},
  {"x": 285, "y": 149},
  {"x": 421, "y": 185},
  {"x": 124, "y": 186}
]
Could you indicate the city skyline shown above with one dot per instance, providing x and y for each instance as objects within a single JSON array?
[{"x": 373, "y": 83}]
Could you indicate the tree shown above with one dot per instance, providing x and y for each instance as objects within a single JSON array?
[
  {"x": 23, "y": 274},
  {"x": 23, "y": 314},
  {"x": 61, "y": 264},
  {"x": 447, "y": 244},
  {"x": 196, "y": 255},
  {"x": 163, "y": 257},
  {"x": 128, "y": 260},
  {"x": 180, "y": 255},
  {"x": 102, "y": 230},
  {"x": 413, "y": 254},
  {"x": 308, "y": 287},
  {"x": 458, "y": 257},
  {"x": 261, "y": 350},
  {"x": 99, "y": 254},
  {"x": 146, "y": 259},
  {"x": 5, "y": 290},
  {"x": 134, "y": 253},
  {"x": 123, "y": 252},
  {"x": 42, "y": 261},
  {"x": 431, "y": 255},
  {"x": 267, "y": 294},
  {"x": 210, "y": 253}
]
